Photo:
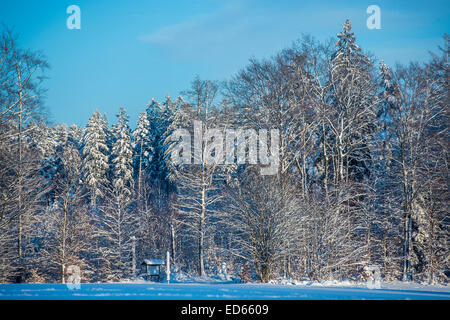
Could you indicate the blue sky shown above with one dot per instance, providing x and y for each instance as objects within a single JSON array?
[{"x": 130, "y": 51}]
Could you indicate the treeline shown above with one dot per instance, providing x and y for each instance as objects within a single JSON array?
[{"x": 363, "y": 174}]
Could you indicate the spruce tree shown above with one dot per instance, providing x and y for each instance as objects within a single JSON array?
[{"x": 95, "y": 157}]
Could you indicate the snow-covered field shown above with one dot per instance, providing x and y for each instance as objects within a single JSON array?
[{"x": 211, "y": 291}]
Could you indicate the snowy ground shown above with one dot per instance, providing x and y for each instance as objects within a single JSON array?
[{"x": 211, "y": 291}]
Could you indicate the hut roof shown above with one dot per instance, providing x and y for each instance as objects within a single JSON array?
[{"x": 152, "y": 261}]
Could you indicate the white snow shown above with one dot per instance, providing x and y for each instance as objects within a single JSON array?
[{"x": 225, "y": 291}]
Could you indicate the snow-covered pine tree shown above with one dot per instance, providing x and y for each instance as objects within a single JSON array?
[
  {"x": 95, "y": 157},
  {"x": 175, "y": 116},
  {"x": 161, "y": 118},
  {"x": 122, "y": 156},
  {"x": 142, "y": 151},
  {"x": 352, "y": 109}
]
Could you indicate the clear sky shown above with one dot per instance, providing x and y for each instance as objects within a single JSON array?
[{"x": 127, "y": 52}]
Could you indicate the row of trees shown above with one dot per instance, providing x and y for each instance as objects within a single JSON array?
[{"x": 362, "y": 180}]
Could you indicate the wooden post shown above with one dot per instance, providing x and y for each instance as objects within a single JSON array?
[
  {"x": 168, "y": 266},
  {"x": 133, "y": 257}
]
